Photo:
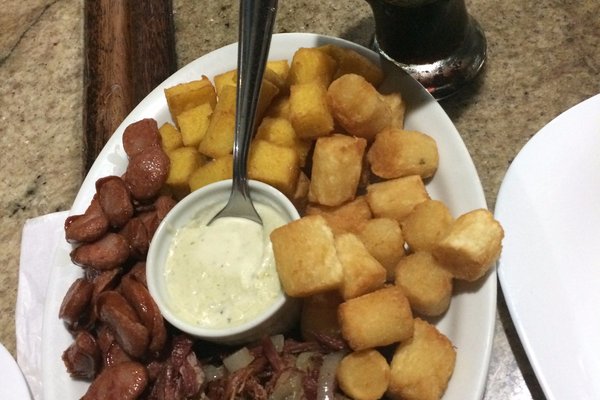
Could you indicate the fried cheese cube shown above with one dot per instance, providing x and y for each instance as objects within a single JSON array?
[
  {"x": 193, "y": 124},
  {"x": 421, "y": 366},
  {"x": 305, "y": 257},
  {"x": 426, "y": 284},
  {"x": 384, "y": 240},
  {"x": 170, "y": 137},
  {"x": 218, "y": 140},
  {"x": 376, "y": 319},
  {"x": 215, "y": 170},
  {"x": 358, "y": 107},
  {"x": 471, "y": 245},
  {"x": 184, "y": 161},
  {"x": 310, "y": 65},
  {"x": 396, "y": 198},
  {"x": 278, "y": 166},
  {"x": 319, "y": 316},
  {"x": 308, "y": 110},
  {"x": 427, "y": 222},
  {"x": 351, "y": 62},
  {"x": 364, "y": 375},
  {"x": 396, "y": 152},
  {"x": 189, "y": 95},
  {"x": 336, "y": 169},
  {"x": 362, "y": 272},
  {"x": 346, "y": 217}
]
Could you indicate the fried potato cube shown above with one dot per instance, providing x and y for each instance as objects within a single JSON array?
[
  {"x": 351, "y": 62},
  {"x": 358, "y": 107},
  {"x": 170, "y": 137},
  {"x": 364, "y": 375},
  {"x": 362, "y": 272},
  {"x": 184, "y": 161},
  {"x": 396, "y": 198},
  {"x": 280, "y": 67},
  {"x": 225, "y": 79},
  {"x": 193, "y": 124},
  {"x": 281, "y": 132},
  {"x": 276, "y": 165},
  {"x": 383, "y": 238},
  {"x": 300, "y": 196},
  {"x": 319, "y": 316},
  {"x": 397, "y": 108},
  {"x": 427, "y": 222},
  {"x": 396, "y": 153},
  {"x": 189, "y": 95},
  {"x": 336, "y": 169},
  {"x": 311, "y": 65},
  {"x": 471, "y": 245},
  {"x": 346, "y": 217},
  {"x": 309, "y": 111},
  {"x": 421, "y": 366},
  {"x": 218, "y": 140},
  {"x": 376, "y": 319},
  {"x": 268, "y": 91},
  {"x": 426, "y": 284},
  {"x": 279, "y": 108},
  {"x": 215, "y": 170},
  {"x": 305, "y": 257}
]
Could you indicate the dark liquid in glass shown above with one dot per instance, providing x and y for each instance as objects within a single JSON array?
[{"x": 419, "y": 32}]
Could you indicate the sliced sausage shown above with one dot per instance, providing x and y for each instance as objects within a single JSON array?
[
  {"x": 139, "y": 136},
  {"x": 82, "y": 358},
  {"x": 137, "y": 236},
  {"x": 124, "y": 381},
  {"x": 111, "y": 352},
  {"x": 87, "y": 227},
  {"x": 76, "y": 302},
  {"x": 109, "y": 252},
  {"x": 147, "y": 173},
  {"x": 115, "y": 200}
]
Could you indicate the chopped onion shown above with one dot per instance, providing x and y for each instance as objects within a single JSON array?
[
  {"x": 307, "y": 360},
  {"x": 327, "y": 382},
  {"x": 212, "y": 372},
  {"x": 238, "y": 360},
  {"x": 277, "y": 341},
  {"x": 288, "y": 386}
]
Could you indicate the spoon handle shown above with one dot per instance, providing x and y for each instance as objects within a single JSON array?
[{"x": 257, "y": 18}]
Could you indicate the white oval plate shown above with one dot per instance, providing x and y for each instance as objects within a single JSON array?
[
  {"x": 549, "y": 205},
  {"x": 12, "y": 381},
  {"x": 469, "y": 322}
]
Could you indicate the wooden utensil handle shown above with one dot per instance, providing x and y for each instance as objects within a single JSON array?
[{"x": 129, "y": 49}]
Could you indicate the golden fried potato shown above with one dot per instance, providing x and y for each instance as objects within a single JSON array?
[
  {"x": 397, "y": 108},
  {"x": 421, "y": 366},
  {"x": 346, "y": 217},
  {"x": 276, "y": 165},
  {"x": 336, "y": 168},
  {"x": 471, "y": 245},
  {"x": 215, "y": 170},
  {"x": 309, "y": 112},
  {"x": 189, "y": 95},
  {"x": 319, "y": 316},
  {"x": 358, "y": 107},
  {"x": 362, "y": 272},
  {"x": 305, "y": 257},
  {"x": 384, "y": 240},
  {"x": 228, "y": 78},
  {"x": 280, "y": 67},
  {"x": 300, "y": 196},
  {"x": 218, "y": 140},
  {"x": 170, "y": 137},
  {"x": 426, "y": 284},
  {"x": 396, "y": 198},
  {"x": 376, "y": 319},
  {"x": 184, "y": 161},
  {"x": 427, "y": 222},
  {"x": 310, "y": 65},
  {"x": 364, "y": 375},
  {"x": 193, "y": 124},
  {"x": 396, "y": 153},
  {"x": 351, "y": 62},
  {"x": 281, "y": 132},
  {"x": 279, "y": 108}
]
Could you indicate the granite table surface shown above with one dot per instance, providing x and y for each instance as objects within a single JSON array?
[{"x": 543, "y": 58}]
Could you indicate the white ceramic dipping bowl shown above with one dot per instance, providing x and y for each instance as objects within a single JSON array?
[{"x": 277, "y": 318}]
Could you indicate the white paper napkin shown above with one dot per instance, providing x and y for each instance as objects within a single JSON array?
[{"x": 40, "y": 238}]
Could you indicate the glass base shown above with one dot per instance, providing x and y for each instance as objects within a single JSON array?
[{"x": 444, "y": 77}]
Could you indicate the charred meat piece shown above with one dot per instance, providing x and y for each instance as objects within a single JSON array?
[{"x": 125, "y": 381}]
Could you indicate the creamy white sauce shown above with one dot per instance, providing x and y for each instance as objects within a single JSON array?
[{"x": 223, "y": 275}]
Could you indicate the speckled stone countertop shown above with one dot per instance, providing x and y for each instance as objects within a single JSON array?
[{"x": 542, "y": 59}]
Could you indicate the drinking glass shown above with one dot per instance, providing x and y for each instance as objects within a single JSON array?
[{"x": 436, "y": 41}]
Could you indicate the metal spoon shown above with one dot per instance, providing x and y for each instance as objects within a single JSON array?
[{"x": 256, "y": 21}]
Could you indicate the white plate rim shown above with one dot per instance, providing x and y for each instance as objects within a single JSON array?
[
  {"x": 580, "y": 122},
  {"x": 456, "y": 182}
]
